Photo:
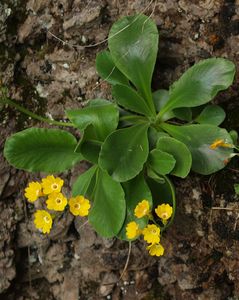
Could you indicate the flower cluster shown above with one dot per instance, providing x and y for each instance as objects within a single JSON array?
[
  {"x": 151, "y": 232},
  {"x": 51, "y": 188}
]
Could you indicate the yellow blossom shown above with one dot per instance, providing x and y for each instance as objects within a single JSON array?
[
  {"x": 56, "y": 201},
  {"x": 51, "y": 184},
  {"x": 33, "y": 191},
  {"x": 132, "y": 230},
  {"x": 142, "y": 209},
  {"x": 155, "y": 249},
  {"x": 164, "y": 212},
  {"x": 220, "y": 143},
  {"x": 43, "y": 221},
  {"x": 151, "y": 234},
  {"x": 79, "y": 206}
]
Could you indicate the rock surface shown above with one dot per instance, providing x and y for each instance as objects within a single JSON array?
[{"x": 47, "y": 67}]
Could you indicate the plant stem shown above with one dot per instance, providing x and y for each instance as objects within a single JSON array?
[{"x": 8, "y": 101}]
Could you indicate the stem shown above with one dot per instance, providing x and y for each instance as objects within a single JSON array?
[
  {"x": 8, "y": 101},
  {"x": 225, "y": 208}
]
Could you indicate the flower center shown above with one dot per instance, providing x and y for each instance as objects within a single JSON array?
[
  {"x": 54, "y": 186},
  {"x": 46, "y": 219},
  {"x": 77, "y": 206},
  {"x": 154, "y": 231},
  {"x": 164, "y": 215},
  {"x": 58, "y": 200}
]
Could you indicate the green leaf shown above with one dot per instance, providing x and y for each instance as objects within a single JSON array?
[
  {"x": 124, "y": 152},
  {"x": 82, "y": 184},
  {"x": 234, "y": 136},
  {"x": 130, "y": 99},
  {"x": 183, "y": 113},
  {"x": 198, "y": 139},
  {"x": 200, "y": 83},
  {"x": 133, "y": 43},
  {"x": 180, "y": 152},
  {"x": 211, "y": 114},
  {"x": 107, "y": 69},
  {"x": 155, "y": 176},
  {"x": 90, "y": 150},
  {"x": 101, "y": 114},
  {"x": 161, "y": 97},
  {"x": 135, "y": 191},
  {"x": 154, "y": 135},
  {"x": 108, "y": 212},
  {"x": 236, "y": 188},
  {"x": 161, "y": 162},
  {"x": 42, "y": 150},
  {"x": 163, "y": 193}
]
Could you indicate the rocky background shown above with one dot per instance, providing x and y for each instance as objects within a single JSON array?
[{"x": 47, "y": 61}]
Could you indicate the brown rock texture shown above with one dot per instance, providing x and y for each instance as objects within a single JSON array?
[{"x": 47, "y": 61}]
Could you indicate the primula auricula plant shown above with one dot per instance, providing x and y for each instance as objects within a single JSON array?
[{"x": 136, "y": 140}]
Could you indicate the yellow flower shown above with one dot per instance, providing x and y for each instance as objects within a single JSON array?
[
  {"x": 142, "y": 209},
  {"x": 79, "y": 206},
  {"x": 220, "y": 143},
  {"x": 56, "y": 201},
  {"x": 51, "y": 184},
  {"x": 164, "y": 212},
  {"x": 132, "y": 230},
  {"x": 151, "y": 234},
  {"x": 33, "y": 191},
  {"x": 43, "y": 221},
  {"x": 155, "y": 249}
]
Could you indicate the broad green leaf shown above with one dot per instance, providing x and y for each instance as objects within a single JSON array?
[
  {"x": 135, "y": 191},
  {"x": 183, "y": 113},
  {"x": 211, "y": 114},
  {"x": 180, "y": 152},
  {"x": 124, "y": 152},
  {"x": 90, "y": 150},
  {"x": 161, "y": 162},
  {"x": 108, "y": 70},
  {"x": 155, "y": 176},
  {"x": 101, "y": 114},
  {"x": 236, "y": 188},
  {"x": 163, "y": 193},
  {"x": 161, "y": 97},
  {"x": 108, "y": 212},
  {"x": 200, "y": 83},
  {"x": 130, "y": 99},
  {"x": 129, "y": 119},
  {"x": 234, "y": 136},
  {"x": 133, "y": 44},
  {"x": 154, "y": 135},
  {"x": 42, "y": 150},
  {"x": 198, "y": 139},
  {"x": 82, "y": 184}
]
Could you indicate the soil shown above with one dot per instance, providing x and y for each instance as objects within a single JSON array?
[{"x": 47, "y": 65}]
